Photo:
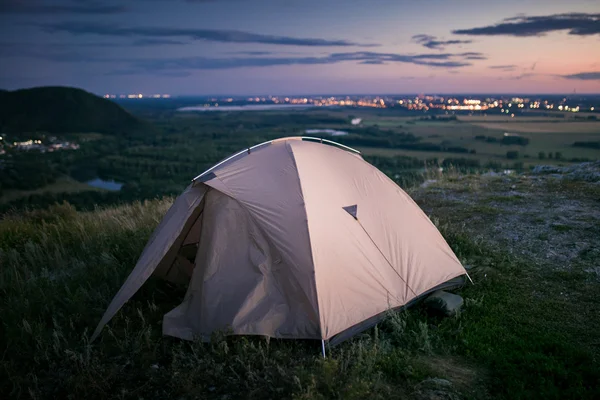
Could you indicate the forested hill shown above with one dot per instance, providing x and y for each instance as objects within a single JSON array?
[{"x": 64, "y": 110}]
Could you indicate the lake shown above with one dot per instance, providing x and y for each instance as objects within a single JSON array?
[
  {"x": 331, "y": 132},
  {"x": 107, "y": 185}
]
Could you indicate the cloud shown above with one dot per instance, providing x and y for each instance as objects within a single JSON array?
[
  {"x": 523, "y": 76},
  {"x": 252, "y": 53},
  {"x": 160, "y": 65},
  {"x": 215, "y": 35},
  {"x": 84, "y": 53},
  {"x": 583, "y": 76},
  {"x": 157, "y": 42},
  {"x": 431, "y": 42},
  {"x": 45, "y": 50},
  {"x": 36, "y": 7},
  {"x": 476, "y": 57},
  {"x": 533, "y": 66},
  {"x": 510, "y": 67},
  {"x": 131, "y": 71},
  {"x": 581, "y": 24}
]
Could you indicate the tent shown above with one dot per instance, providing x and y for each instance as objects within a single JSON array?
[{"x": 292, "y": 238}]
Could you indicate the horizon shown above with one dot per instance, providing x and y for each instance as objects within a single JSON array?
[
  {"x": 250, "y": 47},
  {"x": 148, "y": 95}
]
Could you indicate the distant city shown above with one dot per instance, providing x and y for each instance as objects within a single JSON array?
[
  {"x": 502, "y": 104},
  {"x": 51, "y": 144}
]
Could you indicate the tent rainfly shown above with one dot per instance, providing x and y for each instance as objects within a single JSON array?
[{"x": 293, "y": 238}]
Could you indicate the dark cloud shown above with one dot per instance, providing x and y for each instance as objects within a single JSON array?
[
  {"x": 208, "y": 1},
  {"x": 510, "y": 67},
  {"x": 575, "y": 23},
  {"x": 38, "y": 7},
  {"x": 17, "y": 49},
  {"x": 130, "y": 71},
  {"x": 128, "y": 65},
  {"x": 523, "y": 76},
  {"x": 583, "y": 76},
  {"x": 203, "y": 63},
  {"x": 431, "y": 42},
  {"x": 227, "y": 36},
  {"x": 476, "y": 57},
  {"x": 252, "y": 53},
  {"x": 158, "y": 42}
]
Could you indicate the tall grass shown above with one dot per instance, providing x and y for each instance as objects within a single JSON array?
[{"x": 60, "y": 269}]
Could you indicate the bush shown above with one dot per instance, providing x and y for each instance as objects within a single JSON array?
[
  {"x": 590, "y": 145},
  {"x": 541, "y": 155},
  {"x": 520, "y": 140},
  {"x": 512, "y": 155}
]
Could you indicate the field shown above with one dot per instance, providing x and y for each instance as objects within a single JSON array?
[{"x": 546, "y": 135}]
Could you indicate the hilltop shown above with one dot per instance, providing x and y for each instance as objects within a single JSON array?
[
  {"x": 63, "y": 110},
  {"x": 528, "y": 328}
]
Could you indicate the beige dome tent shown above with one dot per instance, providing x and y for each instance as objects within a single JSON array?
[{"x": 293, "y": 238}]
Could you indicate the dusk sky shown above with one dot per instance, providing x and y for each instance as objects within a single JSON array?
[{"x": 242, "y": 47}]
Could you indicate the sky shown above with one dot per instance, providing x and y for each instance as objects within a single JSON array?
[{"x": 275, "y": 47}]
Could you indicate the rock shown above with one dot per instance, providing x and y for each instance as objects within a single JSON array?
[
  {"x": 436, "y": 383},
  {"x": 444, "y": 302},
  {"x": 435, "y": 389},
  {"x": 428, "y": 182}
]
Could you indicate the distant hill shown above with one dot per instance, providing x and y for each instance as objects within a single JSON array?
[{"x": 64, "y": 110}]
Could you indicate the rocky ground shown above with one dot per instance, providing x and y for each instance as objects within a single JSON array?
[{"x": 550, "y": 216}]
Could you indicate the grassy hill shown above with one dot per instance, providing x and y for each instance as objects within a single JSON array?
[
  {"x": 528, "y": 328},
  {"x": 63, "y": 110}
]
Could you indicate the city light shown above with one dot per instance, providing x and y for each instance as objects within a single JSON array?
[{"x": 423, "y": 103}]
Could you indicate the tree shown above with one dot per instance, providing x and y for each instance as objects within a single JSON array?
[
  {"x": 541, "y": 155},
  {"x": 512, "y": 155},
  {"x": 558, "y": 155}
]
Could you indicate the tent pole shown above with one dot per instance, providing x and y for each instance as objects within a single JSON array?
[
  {"x": 469, "y": 277},
  {"x": 323, "y": 347}
]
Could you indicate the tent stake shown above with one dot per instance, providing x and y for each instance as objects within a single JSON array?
[
  {"x": 469, "y": 278},
  {"x": 323, "y": 347}
]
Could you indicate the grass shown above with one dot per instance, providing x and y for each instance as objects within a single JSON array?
[
  {"x": 516, "y": 199},
  {"x": 60, "y": 268},
  {"x": 561, "y": 227}
]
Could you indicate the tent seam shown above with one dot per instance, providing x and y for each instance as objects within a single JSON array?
[
  {"x": 245, "y": 207},
  {"x": 291, "y": 151}
]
